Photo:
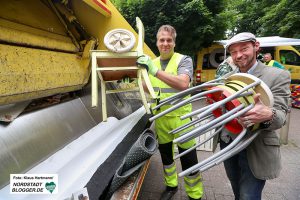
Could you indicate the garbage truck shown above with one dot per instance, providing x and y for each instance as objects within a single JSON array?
[{"x": 49, "y": 133}]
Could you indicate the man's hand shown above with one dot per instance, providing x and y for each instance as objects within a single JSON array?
[
  {"x": 146, "y": 62},
  {"x": 258, "y": 114}
]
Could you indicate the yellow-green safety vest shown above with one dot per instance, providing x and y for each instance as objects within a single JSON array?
[
  {"x": 271, "y": 63},
  {"x": 163, "y": 90}
]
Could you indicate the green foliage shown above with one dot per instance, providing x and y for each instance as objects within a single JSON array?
[
  {"x": 200, "y": 22},
  {"x": 265, "y": 17},
  {"x": 244, "y": 16},
  {"x": 282, "y": 18},
  {"x": 197, "y": 22}
]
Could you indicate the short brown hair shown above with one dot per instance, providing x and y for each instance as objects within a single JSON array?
[{"x": 168, "y": 28}]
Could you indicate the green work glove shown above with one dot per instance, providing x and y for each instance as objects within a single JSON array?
[
  {"x": 146, "y": 62},
  {"x": 125, "y": 79}
]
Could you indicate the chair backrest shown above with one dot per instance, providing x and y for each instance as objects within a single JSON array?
[{"x": 116, "y": 60}]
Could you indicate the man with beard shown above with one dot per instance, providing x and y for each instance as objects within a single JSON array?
[{"x": 260, "y": 161}]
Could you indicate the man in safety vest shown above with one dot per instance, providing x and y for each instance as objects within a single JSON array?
[
  {"x": 170, "y": 73},
  {"x": 273, "y": 63}
]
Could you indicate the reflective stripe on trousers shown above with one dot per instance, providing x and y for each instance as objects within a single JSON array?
[
  {"x": 170, "y": 175},
  {"x": 193, "y": 185}
]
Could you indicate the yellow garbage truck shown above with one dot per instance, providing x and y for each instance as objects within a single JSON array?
[
  {"x": 281, "y": 49},
  {"x": 47, "y": 126}
]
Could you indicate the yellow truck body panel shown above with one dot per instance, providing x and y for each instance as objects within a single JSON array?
[{"x": 39, "y": 53}]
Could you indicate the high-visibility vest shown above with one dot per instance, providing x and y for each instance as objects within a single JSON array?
[
  {"x": 163, "y": 90},
  {"x": 271, "y": 63}
]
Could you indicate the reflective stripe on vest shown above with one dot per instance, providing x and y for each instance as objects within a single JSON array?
[
  {"x": 166, "y": 90},
  {"x": 163, "y": 90},
  {"x": 271, "y": 63}
]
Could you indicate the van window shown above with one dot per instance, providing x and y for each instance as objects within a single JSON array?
[
  {"x": 263, "y": 50},
  {"x": 213, "y": 60},
  {"x": 289, "y": 57},
  {"x": 205, "y": 64},
  {"x": 195, "y": 61}
]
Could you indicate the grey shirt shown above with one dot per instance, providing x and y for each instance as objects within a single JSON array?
[{"x": 185, "y": 66}]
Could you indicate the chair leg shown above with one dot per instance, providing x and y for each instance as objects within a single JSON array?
[
  {"x": 142, "y": 92},
  {"x": 94, "y": 82},
  {"x": 103, "y": 95},
  {"x": 148, "y": 83}
]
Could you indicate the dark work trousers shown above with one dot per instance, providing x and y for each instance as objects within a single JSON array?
[
  {"x": 188, "y": 160},
  {"x": 244, "y": 185}
]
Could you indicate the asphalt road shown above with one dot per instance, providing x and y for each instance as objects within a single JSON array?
[{"x": 216, "y": 184}]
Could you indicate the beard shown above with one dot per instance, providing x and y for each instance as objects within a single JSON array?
[{"x": 245, "y": 62}]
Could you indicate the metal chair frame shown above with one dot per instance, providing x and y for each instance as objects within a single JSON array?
[{"x": 111, "y": 67}]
